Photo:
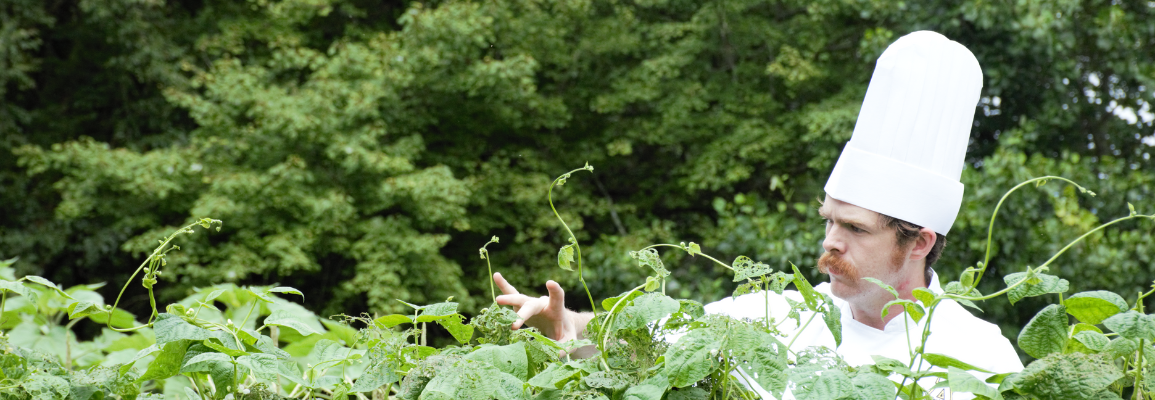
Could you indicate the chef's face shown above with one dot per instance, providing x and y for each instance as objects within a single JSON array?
[{"x": 857, "y": 246}]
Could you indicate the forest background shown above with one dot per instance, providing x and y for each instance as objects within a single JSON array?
[{"x": 363, "y": 151}]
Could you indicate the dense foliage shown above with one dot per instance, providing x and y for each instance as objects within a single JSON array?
[
  {"x": 360, "y": 150},
  {"x": 649, "y": 346}
]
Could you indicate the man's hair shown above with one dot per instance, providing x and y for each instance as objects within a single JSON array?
[{"x": 907, "y": 232}]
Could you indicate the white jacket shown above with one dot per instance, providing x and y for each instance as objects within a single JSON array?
[{"x": 954, "y": 331}]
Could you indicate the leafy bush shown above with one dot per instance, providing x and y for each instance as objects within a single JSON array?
[{"x": 229, "y": 342}]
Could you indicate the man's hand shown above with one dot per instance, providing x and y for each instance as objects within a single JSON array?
[{"x": 547, "y": 313}]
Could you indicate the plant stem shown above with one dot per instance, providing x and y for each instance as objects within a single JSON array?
[
  {"x": 991, "y": 227},
  {"x": 573, "y": 239},
  {"x": 701, "y": 254},
  {"x": 1139, "y": 373},
  {"x": 607, "y": 323}
]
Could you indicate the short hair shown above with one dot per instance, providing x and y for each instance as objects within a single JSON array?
[{"x": 906, "y": 232}]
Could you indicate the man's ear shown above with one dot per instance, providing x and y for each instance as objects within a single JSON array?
[{"x": 924, "y": 243}]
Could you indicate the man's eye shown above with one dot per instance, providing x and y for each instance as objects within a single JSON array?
[{"x": 855, "y": 229}]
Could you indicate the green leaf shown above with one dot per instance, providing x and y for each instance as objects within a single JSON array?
[
  {"x": 944, "y": 361},
  {"x": 377, "y": 375},
  {"x": 438, "y": 311},
  {"x": 326, "y": 350},
  {"x": 693, "y": 249},
  {"x": 264, "y": 366},
  {"x": 745, "y": 268},
  {"x": 18, "y": 288},
  {"x": 170, "y": 328},
  {"x": 1045, "y": 284},
  {"x": 692, "y": 357},
  {"x": 832, "y": 316},
  {"x": 608, "y": 304},
  {"x": 224, "y": 343},
  {"x": 962, "y": 381},
  {"x": 1066, "y": 376},
  {"x": 291, "y": 320},
  {"x": 871, "y": 386},
  {"x": 565, "y": 257},
  {"x": 205, "y": 361},
  {"x": 831, "y": 384},
  {"x": 1046, "y": 333},
  {"x": 925, "y": 296},
  {"x": 82, "y": 309},
  {"x": 147, "y": 351},
  {"x": 914, "y": 309},
  {"x": 460, "y": 331},
  {"x": 466, "y": 379},
  {"x": 510, "y": 359},
  {"x": 1095, "y": 306},
  {"x": 1088, "y": 342},
  {"x": 808, "y": 294},
  {"x": 649, "y": 258},
  {"x": 652, "y": 284},
  {"x": 1131, "y": 324},
  {"x": 167, "y": 363},
  {"x": 556, "y": 375},
  {"x": 390, "y": 321},
  {"x": 1121, "y": 347},
  {"x": 883, "y": 285},
  {"x": 286, "y": 289},
  {"x": 760, "y": 355},
  {"x": 645, "y": 309}
]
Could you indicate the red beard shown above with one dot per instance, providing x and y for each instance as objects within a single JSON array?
[{"x": 830, "y": 263}]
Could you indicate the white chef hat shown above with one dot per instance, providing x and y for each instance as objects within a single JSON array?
[{"x": 905, "y": 157}]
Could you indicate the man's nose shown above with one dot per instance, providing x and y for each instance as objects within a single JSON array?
[{"x": 833, "y": 241}]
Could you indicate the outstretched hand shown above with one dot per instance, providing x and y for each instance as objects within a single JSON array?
[{"x": 546, "y": 313}]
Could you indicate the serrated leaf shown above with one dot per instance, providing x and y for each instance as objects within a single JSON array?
[
  {"x": 1046, "y": 333},
  {"x": 291, "y": 320},
  {"x": 1095, "y": 306},
  {"x": 288, "y": 290},
  {"x": 565, "y": 257},
  {"x": 1045, "y": 284}
]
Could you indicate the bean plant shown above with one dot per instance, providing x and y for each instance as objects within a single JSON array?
[{"x": 230, "y": 342}]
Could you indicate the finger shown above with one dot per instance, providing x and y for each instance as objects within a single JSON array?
[
  {"x": 515, "y": 300},
  {"x": 529, "y": 309},
  {"x": 556, "y": 297},
  {"x": 503, "y": 284}
]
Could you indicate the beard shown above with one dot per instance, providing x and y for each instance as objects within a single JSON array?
[{"x": 828, "y": 263}]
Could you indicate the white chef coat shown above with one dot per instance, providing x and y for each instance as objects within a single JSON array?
[{"x": 954, "y": 331}]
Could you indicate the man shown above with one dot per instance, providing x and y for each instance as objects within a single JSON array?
[{"x": 890, "y": 201}]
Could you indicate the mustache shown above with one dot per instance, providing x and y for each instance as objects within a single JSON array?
[{"x": 828, "y": 263}]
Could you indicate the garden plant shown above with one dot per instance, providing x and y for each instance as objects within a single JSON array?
[{"x": 230, "y": 342}]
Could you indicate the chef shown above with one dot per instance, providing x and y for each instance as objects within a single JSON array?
[{"x": 890, "y": 202}]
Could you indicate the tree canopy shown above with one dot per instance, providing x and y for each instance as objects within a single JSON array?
[{"x": 363, "y": 151}]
